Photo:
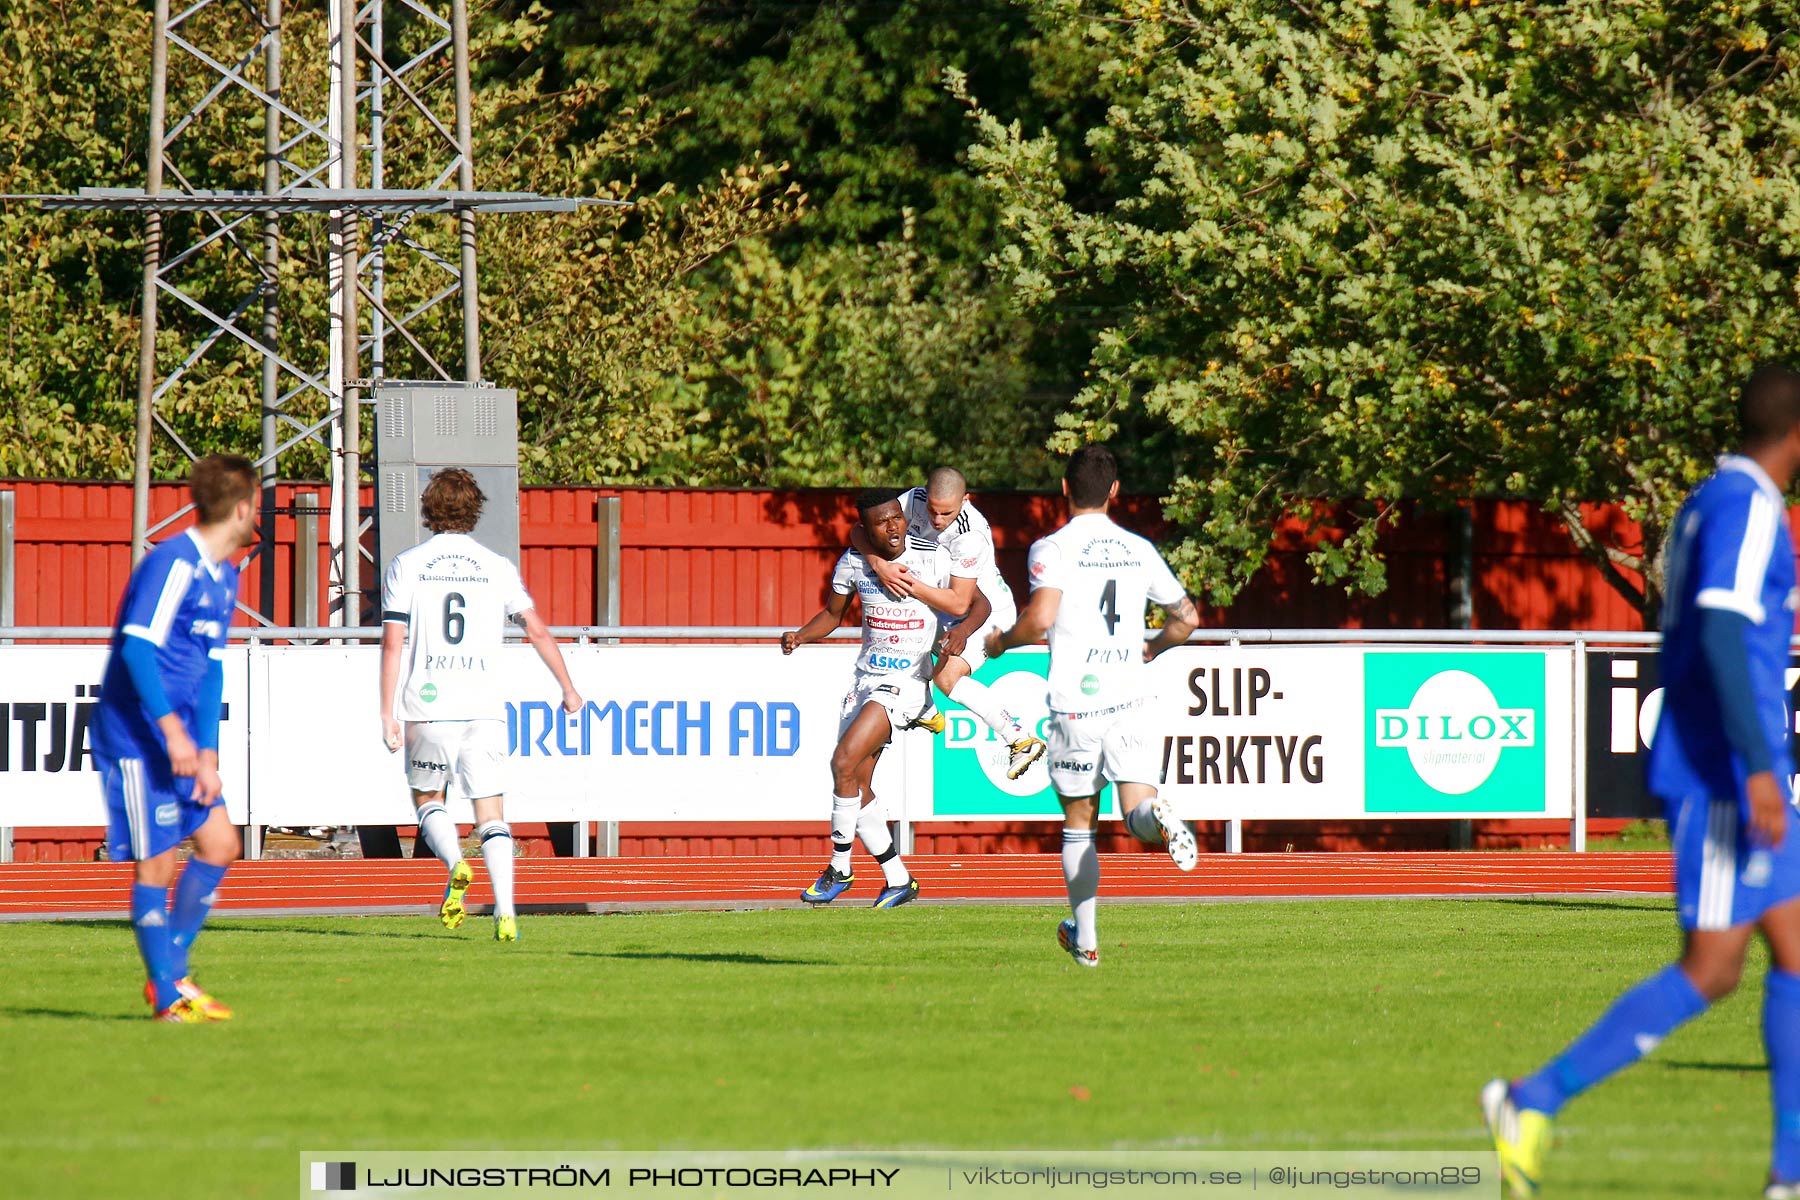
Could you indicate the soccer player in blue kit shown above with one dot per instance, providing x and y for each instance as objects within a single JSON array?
[
  {"x": 1722, "y": 764},
  {"x": 156, "y": 732}
]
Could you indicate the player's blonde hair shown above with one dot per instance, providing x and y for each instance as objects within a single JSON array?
[{"x": 451, "y": 502}]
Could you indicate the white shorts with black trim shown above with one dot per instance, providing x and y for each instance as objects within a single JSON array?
[
  {"x": 474, "y": 751},
  {"x": 1088, "y": 750},
  {"x": 905, "y": 697}
]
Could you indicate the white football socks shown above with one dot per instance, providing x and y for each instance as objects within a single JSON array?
[
  {"x": 439, "y": 832},
  {"x": 871, "y": 826},
  {"x": 497, "y": 852},
  {"x": 1081, "y": 871},
  {"x": 978, "y": 699},
  {"x": 843, "y": 831},
  {"x": 1142, "y": 824}
]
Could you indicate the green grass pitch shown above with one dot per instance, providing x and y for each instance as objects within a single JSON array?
[{"x": 1306, "y": 1025}]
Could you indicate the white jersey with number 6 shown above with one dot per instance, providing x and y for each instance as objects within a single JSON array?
[
  {"x": 454, "y": 595},
  {"x": 1105, "y": 574}
]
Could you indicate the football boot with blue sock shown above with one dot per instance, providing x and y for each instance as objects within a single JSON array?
[{"x": 1522, "y": 1137}]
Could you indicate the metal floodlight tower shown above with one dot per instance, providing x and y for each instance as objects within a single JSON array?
[{"x": 311, "y": 163}]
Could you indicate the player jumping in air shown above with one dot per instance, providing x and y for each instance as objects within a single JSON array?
[
  {"x": 1089, "y": 584},
  {"x": 156, "y": 732},
  {"x": 450, "y": 598},
  {"x": 942, "y": 512},
  {"x": 1722, "y": 764},
  {"x": 891, "y": 689}
]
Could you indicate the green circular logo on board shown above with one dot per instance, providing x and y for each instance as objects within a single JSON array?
[
  {"x": 428, "y": 693},
  {"x": 1090, "y": 684}
]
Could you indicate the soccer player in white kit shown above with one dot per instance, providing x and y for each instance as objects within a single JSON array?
[
  {"x": 891, "y": 688},
  {"x": 1090, "y": 581},
  {"x": 447, "y": 601},
  {"x": 942, "y": 512}
]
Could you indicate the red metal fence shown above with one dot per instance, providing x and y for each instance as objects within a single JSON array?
[{"x": 698, "y": 557}]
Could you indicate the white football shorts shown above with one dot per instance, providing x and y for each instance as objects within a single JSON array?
[
  {"x": 1091, "y": 749},
  {"x": 905, "y": 697},
  {"x": 475, "y": 751}
]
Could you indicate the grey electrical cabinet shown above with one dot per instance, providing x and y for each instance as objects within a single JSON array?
[{"x": 423, "y": 427}]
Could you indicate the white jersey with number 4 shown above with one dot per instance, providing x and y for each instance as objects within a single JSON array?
[
  {"x": 454, "y": 596},
  {"x": 1105, "y": 574},
  {"x": 898, "y": 631},
  {"x": 970, "y": 542}
]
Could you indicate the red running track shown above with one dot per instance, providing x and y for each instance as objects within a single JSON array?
[{"x": 65, "y": 890}]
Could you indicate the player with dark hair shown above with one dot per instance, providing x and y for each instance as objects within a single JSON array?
[
  {"x": 156, "y": 732},
  {"x": 1722, "y": 764},
  {"x": 1090, "y": 583},
  {"x": 890, "y": 690},
  {"x": 450, "y": 597},
  {"x": 942, "y": 512}
]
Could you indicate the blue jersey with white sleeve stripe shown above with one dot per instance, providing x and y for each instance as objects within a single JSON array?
[
  {"x": 179, "y": 602},
  {"x": 1731, "y": 550}
]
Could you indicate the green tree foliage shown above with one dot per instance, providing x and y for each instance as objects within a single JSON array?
[
  {"x": 1379, "y": 251},
  {"x": 723, "y": 330},
  {"x": 68, "y": 354}
]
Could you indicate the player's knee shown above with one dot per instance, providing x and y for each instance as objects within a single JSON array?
[{"x": 1714, "y": 977}]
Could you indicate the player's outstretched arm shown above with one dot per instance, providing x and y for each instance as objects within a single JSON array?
[
  {"x": 538, "y": 634},
  {"x": 393, "y": 642},
  {"x": 823, "y": 622},
  {"x": 1033, "y": 623},
  {"x": 1182, "y": 619}
]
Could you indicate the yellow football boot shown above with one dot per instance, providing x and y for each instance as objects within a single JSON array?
[
  {"x": 1521, "y": 1135},
  {"x": 451, "y": 911}
]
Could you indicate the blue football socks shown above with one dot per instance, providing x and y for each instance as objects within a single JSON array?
[
  {"x": 1781, "y": 1036},
  {"x": 194, "y": 896},
  {"x": 150, "y": 922},
  {"x": 1626, "y": 1032}
]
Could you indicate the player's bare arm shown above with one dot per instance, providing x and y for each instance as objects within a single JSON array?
[
  {"x": 393, "y": 642},
  {"x": 823, "y": 622},
  {"x": 184, "y": 755},
  {"x": 953, "y": 601},
  {"x": 538, "y": 634},
  {"x": 208, "y": 787},
  {"x": 896, "y": 577},
  {"x": 1032, "y": 625},
  {"x": 1182, "y": 618},
  {"x": 951, "y": 644}
]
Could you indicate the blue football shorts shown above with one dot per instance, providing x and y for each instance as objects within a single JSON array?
[
  {"x": 1722, "y": 877},
  {"x": 147, "y": 808}
]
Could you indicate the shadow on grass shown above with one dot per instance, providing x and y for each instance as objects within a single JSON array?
[
  {"x": 1681, "y": 1064},
  {"x": 263, "y": 926},
  {"x": 1622, "y": 904},
  {"x": 69, "y": 1014},
  {"x": 226, "y": 925},
  {"x": 749, "y": 960}
]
